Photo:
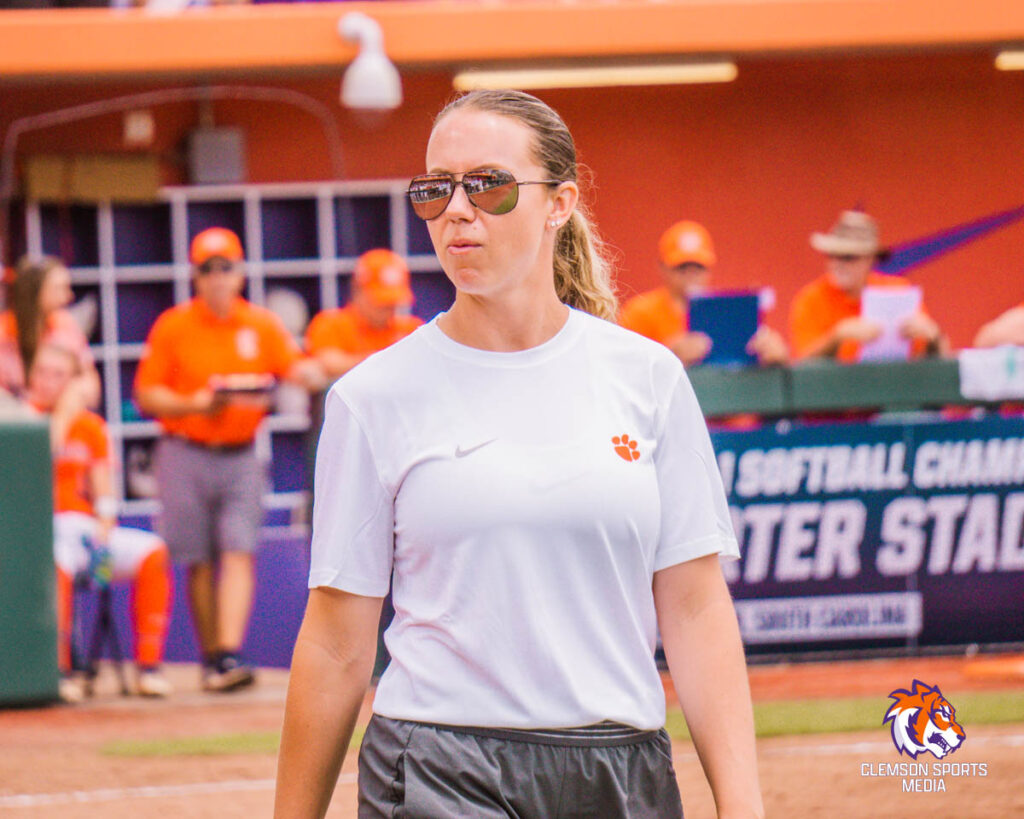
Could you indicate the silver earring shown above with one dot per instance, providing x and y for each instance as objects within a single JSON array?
[{"x": 553, "y": 223}]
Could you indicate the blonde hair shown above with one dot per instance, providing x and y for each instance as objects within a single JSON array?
[{"x": 583, "y": 269}]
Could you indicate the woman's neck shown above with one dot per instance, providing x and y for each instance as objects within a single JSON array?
[{"x": 503, "y": 326}]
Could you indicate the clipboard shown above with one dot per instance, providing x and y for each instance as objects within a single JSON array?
[{"x": 730, "y": 320}]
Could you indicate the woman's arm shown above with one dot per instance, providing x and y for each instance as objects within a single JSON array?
[
  {"x": 331, "y": 667},
  {"x": 705, "y": 657},
  {"x": 89, "y": 383},
  {"x": 101, "y": 491},
  {"x": 70, "y": 404}
]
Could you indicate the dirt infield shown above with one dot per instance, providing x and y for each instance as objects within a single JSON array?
[{"x": 51, "y": 764}]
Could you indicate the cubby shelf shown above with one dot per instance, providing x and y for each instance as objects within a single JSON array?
[{"x": 301, "y": 242}]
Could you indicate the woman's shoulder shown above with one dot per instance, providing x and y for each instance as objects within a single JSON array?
[
  {"x": 63, "y": 327},
  {"x": 397, "y": 368},
  {"x": 628, "y": 345},
  {"x": 88, "y": 424}
]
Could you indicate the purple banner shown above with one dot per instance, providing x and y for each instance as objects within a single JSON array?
[{"x": 877, "y": 534}]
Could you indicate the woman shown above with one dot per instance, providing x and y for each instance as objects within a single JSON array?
[
  {"x": 36, "y": 300},
  {"x": 85, "y": 525},
  {"x": 541, "y": 486}
]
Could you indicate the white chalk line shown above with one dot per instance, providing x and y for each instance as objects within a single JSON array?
[
  {"x": 39, "y": 800},
  {"x": 36, "y": 800},
  {"x": 861, "y": 747}
]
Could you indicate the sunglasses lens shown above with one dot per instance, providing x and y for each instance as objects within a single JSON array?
[
  {"x": 429, "y": 195},
  {"x": 494, "y": 192},
  {"x": 216, "y": 267}
]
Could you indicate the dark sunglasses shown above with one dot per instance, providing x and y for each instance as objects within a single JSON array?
[
  {"x": 493, "y": 191},
  {"x": 216, "y": 266}
]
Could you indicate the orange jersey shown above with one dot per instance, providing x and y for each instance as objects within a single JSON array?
[
  {"x": 655, "y": 314},
  {"x": 820, "y": 305},
  {"x": 345, "y": 329},
  {"x": 189, "y": 344},
  {"x": 61, "y": 329},
  {"x": 85, "y": 446}
]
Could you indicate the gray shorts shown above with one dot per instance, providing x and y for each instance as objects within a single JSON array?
[
  {"x": 211, "y": 499},
  {"x": 420, "y": 771}
]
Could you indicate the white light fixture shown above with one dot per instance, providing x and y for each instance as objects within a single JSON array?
[
  {"x": 1010, "y": 61},
  {"x": 371, "y": 81},
  {"x": 596, "y": 76}
]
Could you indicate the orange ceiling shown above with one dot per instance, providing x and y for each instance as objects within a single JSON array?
[{"x": 72, "y": 43}]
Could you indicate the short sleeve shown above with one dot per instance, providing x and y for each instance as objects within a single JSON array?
[
  {"x": 633, "y": 317},
  {"x": 353, "y": 513},
  {"x": 807, "y": 321},
  {"x": 695, "y": 518},
  {"x": 282, "y": 350},
  {"x": 157, "y": 358},
  {"x": 99, "y": 444},
  {"x": 318, "y": 333}
]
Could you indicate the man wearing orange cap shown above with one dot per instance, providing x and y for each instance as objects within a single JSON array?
[
  {"x": 207, "y": 374},
  {"x": 375, "y": 317},
  {"x": 687, "y": 258}
]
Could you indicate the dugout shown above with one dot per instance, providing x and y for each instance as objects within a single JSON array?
[{"x": 895, "y": 105}]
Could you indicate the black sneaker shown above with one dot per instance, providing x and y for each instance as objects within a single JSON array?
[
  {"x": 230, "y": 674},
  {"x": 208, "y": 673}
]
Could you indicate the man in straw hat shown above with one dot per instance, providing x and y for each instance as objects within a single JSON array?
[
  {"x": 825, "y": 317},
  {"x": 687, "y": 259}
]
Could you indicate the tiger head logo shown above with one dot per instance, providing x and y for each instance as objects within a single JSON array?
[{"x": 923, "y": 720}]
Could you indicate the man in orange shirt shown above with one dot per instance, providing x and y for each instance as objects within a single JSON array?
[
  {"x": 84, "y": 524},
  {"x": 687, "y": 258},
  {"x": 375, "y": 317},
  {"x": 206, "y": 375},
  {"x": 825, "y": 316}
]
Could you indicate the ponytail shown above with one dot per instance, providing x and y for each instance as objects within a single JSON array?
[{"x": 583, "y": 270}]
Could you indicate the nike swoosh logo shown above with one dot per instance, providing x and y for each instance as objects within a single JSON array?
[{"x": 462, "y": 452}]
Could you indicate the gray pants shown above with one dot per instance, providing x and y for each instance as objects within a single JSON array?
[
  {"x": 211, "y": 499},
  {"x": 419, "y": 771}
]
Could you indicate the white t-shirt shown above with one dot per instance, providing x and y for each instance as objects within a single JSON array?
[{"x": 523, "y": 501}]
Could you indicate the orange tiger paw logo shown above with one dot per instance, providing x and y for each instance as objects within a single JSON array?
[{"x": 626, "y": 448}]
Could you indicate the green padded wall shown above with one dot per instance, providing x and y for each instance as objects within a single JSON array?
[
  {"x": 28, "y": 623},
  {"x": 823, "y": 386}
]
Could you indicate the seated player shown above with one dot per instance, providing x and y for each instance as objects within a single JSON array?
[
  {"x": 85, "y": 529},
  {"x": 687, "y": 258},
  {"x": 375, "y": 317}
]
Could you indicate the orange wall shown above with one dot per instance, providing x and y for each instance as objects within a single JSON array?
[{"x": 923, "y": 142}]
